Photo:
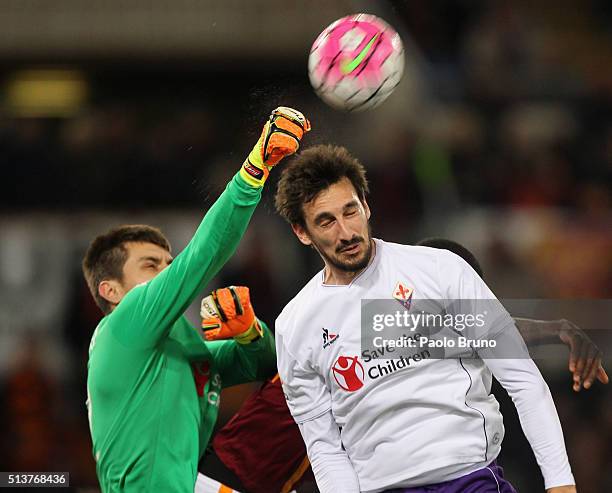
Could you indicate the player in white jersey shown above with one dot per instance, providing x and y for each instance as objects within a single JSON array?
[{"x": 411, "y": 424}]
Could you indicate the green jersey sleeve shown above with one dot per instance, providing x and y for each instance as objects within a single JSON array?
[
  {"x": 235, "y": 363},
  {"x": 147, "y": 313},
  {"x": 242, "y": 363}
]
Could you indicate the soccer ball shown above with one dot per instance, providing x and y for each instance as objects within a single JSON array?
[{"x": 356, "y": 62}]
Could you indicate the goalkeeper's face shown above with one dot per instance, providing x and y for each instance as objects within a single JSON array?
[
  {"x": 143, "y": 262},
  {"x": 337, "y": 226}
]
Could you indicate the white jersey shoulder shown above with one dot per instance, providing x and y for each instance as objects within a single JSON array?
[
  {"x": 435, "y": 258},
  {"x": 287, "y": 317}
]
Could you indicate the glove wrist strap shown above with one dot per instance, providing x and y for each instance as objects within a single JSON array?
[
  {"x": 253, "y": 170},
  {"x": 252, "y": 334}
]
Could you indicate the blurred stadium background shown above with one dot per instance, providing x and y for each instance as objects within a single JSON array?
[{"x": 117, "y": 111}]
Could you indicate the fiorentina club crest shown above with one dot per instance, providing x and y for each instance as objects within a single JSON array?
[{"x": 403, "y": 294}]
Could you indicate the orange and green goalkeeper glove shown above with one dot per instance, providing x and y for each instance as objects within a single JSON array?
[
  {"x": 228, "y": 312},
  {"x": 280, "y": 137}
]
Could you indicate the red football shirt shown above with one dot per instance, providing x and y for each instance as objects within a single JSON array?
[{"x": 262, "y": 445}]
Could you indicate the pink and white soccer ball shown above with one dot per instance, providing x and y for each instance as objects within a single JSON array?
[{"x": 356, "y": 62}]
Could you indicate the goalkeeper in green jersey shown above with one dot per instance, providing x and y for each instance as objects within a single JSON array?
[{"x": 153, "y": 381}]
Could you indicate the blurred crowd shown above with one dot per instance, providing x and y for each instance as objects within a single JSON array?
[{"x": 510, "y": 153}]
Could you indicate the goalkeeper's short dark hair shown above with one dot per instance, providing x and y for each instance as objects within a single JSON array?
[
  {"x": 456, "y": 248},
  {"x": 106, "y": 255},
  {"x": 313, "y": 171}
]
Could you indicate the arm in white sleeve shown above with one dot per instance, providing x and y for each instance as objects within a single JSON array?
[
  {"x": 536, "y": 409},
  {"x": 309, "y": 400},
  {"x": 510, "y": 363},
  {"x": 330, "y": 463}
]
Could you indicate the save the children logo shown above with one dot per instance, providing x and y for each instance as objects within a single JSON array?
[
  {"x": 201, "y": 375},
  {"x": 348, "y": 373}
]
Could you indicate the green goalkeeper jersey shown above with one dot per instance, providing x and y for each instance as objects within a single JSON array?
[{"x": 153, "y": 384}]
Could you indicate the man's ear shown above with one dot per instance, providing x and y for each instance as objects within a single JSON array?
[
  {"x": 111, "y": 290},
  {"x": 366, "y": 208},
  {"x": 301, "y": 233}
]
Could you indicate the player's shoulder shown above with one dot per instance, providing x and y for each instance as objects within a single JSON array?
[
  {"x": 99, "y": 333},
  {"x": 412, "y": 252},
  {"x": 420, "y": 261},
  {"x": 298, "y": 304},
  {"x": 443, "y": 257}
]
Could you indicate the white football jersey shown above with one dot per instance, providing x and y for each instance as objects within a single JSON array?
[{"x": 404, "y": 422}]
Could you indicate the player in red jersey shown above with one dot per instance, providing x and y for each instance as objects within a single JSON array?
[{"x": 260, "y": 450}]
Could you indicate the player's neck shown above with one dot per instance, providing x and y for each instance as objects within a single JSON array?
[{"x": 338, "y": 277}]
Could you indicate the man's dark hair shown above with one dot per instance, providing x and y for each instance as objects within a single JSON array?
[
  {"x": 456, "y": 248},
  {"x": 313, "y": 171},
  {"x": 107, "y": 254}
]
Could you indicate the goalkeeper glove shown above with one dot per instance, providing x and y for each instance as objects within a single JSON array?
[
  {"x": 228, "y": 312},
  {"x": 280, "y": 137}
]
